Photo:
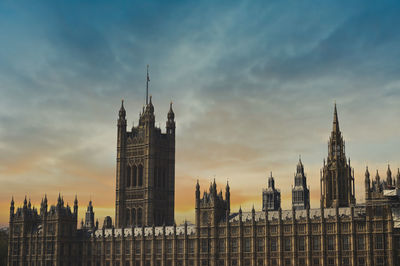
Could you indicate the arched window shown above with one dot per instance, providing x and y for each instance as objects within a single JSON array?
[
  {"x": 133, "y": 220},
  {"x": 128, "y": 176},
  {"x": 140, "y": 174},
  {"x": 127, "y": 217},
  {"x": 139, "y": 217},
  {"x": 134, "y": 172}
]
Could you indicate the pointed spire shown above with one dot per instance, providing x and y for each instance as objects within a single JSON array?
[
  {"x": 335, "y": 120},
  {"x": 29, "y": 204},
  {"x": 25, "y": 201},
  {"x": 171, "y": 114},
  {"x": 389, "y": 176},
  {"x": 398, "y": 178},
  {"x": 366, "y": 173},
  {"x": 12, "y": 201},
  {"x": 122, "y": 112}
]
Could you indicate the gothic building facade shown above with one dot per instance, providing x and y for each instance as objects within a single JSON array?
[{"x": 338, "y": 232}]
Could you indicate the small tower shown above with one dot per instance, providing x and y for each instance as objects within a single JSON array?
[
  {"x": 367, "y": 184},
  {"x": 398, "y": 179},
  {"x": 271, "y": 196},
  {"x": 389, "y": 182},
  {"x": 171, "y": 121},
  {"x": 300, "y": 192},
  {"x": 89, "y": 217},
  {"x": 212, "y": 208}
]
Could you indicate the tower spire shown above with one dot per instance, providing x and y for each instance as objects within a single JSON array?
[
  {"x": 147, "y": 86},
  {"x": 335, "y": 120}
]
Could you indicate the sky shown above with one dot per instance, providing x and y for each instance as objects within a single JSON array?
[{"x": 253, "y": 84}]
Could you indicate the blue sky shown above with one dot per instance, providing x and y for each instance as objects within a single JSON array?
[{"x": 253, "y": 85}]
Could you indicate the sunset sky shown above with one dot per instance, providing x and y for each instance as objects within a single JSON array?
[{"x": 253, "y": 85}]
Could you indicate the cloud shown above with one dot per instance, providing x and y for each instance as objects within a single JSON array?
[{"x": 253, "y": 84}]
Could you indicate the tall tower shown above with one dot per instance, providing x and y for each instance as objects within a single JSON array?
[
  {"x": 337, "y": 176},
  {"x": 300, "y": 192},
  {"x": 145, "y": 178},
  {"x": 271, "y": 196}
]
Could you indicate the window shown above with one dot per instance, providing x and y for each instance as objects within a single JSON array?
[
  {"x": 234, "y": 245},
  {"x": 379, "y": 241},
  {"x": 287, "y": 262},
  {"x": 159, "y": 246},
  {"x": 302, "y": 243},
  {"x": 274, "y": 262},
  {"x": 260, "y": 244},
  {"x": 137, "y": 248},
  {"x": 274, "y": 244},
  {"x": 346, "y": 242},
  {"x": 346, "y": 261},
  {"x": 380, "y": 261},
  {"x": 274, "y": 229},
  {"x": 331, "y": 261},
  {"x": 191, "y": 246},
  {"x": 330, "y": 228},
  {"x": 139, "y": 217},
  {"x": 221, "y": 245},
  {"x": 140, "y": 178},
  {"x": 361, "y": 261},
  {"x": 301, "y": 228},
  {"x": 127, "y": 247},
  {"x": 108, "y": 248},
  {"x": 331, "y": 243},
  {"x": 287, "y": 243},
  {"x": 118, "y": 248},
  {"x": 128, "y": 176},
  {"x": 345, "y": 227},
  {"x": 148, "y": 247},
  {"x": 204, "y": 245},
  {"x": 180, "y": 246},
  {"x": 360, "y": 242},
  {"x": 316, "y": 243},
  {"x": 315, "y": 228},
  {"x": 316, "y": 262},
  {"x": 287, "y": 228},
  {"x": 247, "y": 245},
  {"x": 127, "y": 217},
  {"x": 133, "y": 219},
  {"x": 169, "y": 246},
  {"x": 302, "y": 261},
  {"x": 134, "y": 176}
]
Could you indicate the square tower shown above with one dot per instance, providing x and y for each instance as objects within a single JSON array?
[{"x": 145, "y": 178}]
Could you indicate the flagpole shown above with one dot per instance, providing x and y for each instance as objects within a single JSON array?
[{"x": 147, "y": 86}]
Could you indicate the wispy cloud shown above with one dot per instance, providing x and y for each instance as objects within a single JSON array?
[{"x": 253, "y": 84}]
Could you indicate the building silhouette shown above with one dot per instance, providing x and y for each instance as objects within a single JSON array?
[{"x": 338, "y": 232}]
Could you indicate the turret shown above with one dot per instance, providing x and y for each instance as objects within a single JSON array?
[
  {"x": 389, "y": 182},
  {"x": 171, "y": 121},
  {"x": 398, "y": 179},
  {"x": 76, "y": 205},
  {"x": 367, "y": 183},
  {"x": 228, "y": 197},
  {"x": 12, "y": 208}
]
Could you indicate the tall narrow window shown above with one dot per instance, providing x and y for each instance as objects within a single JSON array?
[
  {"x": 128, "y": 176},
  {"x": 134, "y": 176},
  {"x": 140, "y": 174},
  {"x": 139, "y": 217},
  {"x": 127, "y": 217},
  {"x": 133, "y": 220}
]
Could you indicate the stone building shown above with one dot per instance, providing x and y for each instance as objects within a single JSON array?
[
  {"x": 338, "y": 232},
  {"x": 300, "y": 192},
  {"x": 271, "y": 196}
]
